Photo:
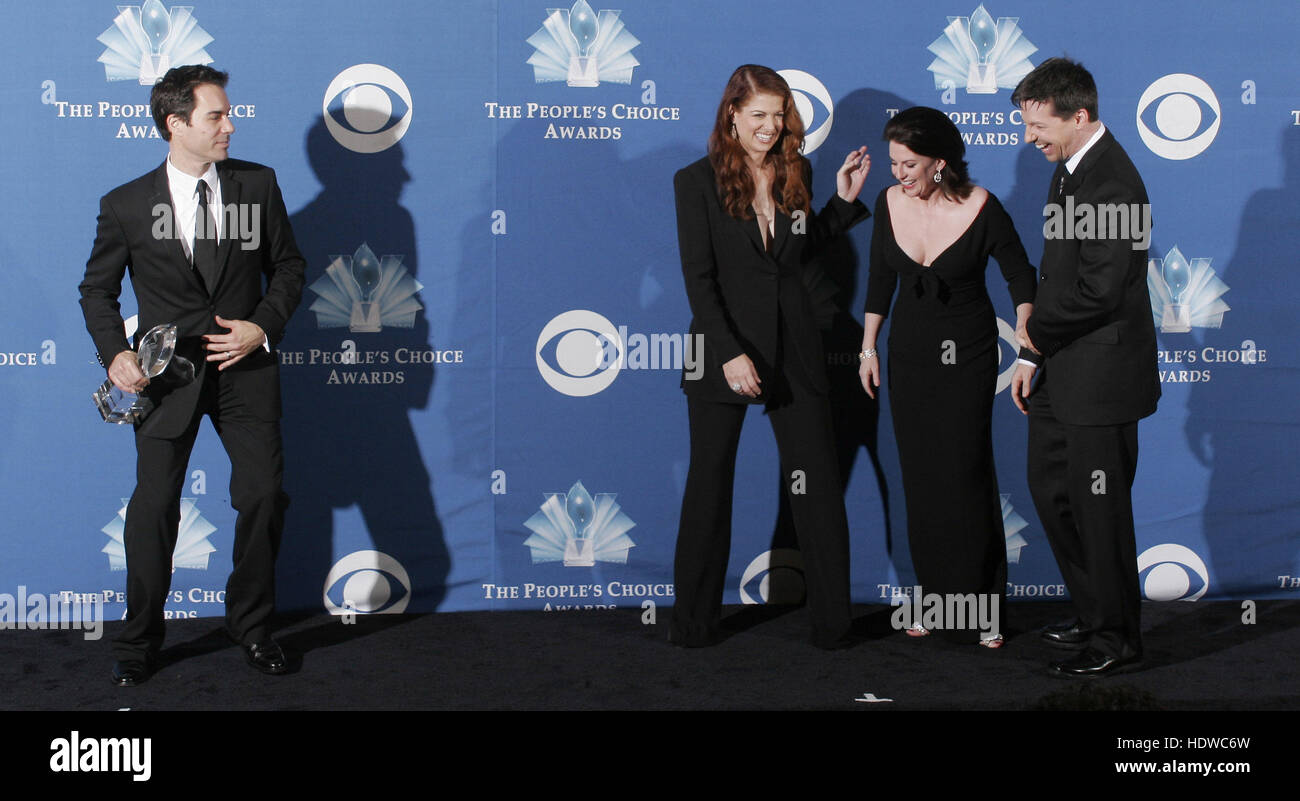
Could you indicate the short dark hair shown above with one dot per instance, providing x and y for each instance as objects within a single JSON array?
[
  {"x": 931, "y": 133},
  {"x": 174, "y": 93},
  {"x": 1065, "y": 83}
]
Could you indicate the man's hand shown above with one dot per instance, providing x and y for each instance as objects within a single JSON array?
[
  {"x": 1021, "y": 381},
  {"x": 126, "y": 374},
  {"x": 228, "y": 349}
]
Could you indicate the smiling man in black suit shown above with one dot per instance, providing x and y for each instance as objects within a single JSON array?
[
  {"x": 209, "y": 248},
  {"x": 1092, "y": 339}
]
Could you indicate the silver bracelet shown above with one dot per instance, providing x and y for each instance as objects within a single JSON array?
[{"x": 869, "y": 353}]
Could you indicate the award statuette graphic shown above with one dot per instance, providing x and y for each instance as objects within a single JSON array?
[
  {"x": 145, "y": 41},
  {"x": 1177, "y": 274},
  {"x": 983, "y": 34},
  {"x": 158, "y": 360},
  {"x": 583, "y": 68},
  {"x": 365, "y": 312}
]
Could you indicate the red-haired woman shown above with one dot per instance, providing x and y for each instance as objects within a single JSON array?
[{"x": 746, "y": 235}]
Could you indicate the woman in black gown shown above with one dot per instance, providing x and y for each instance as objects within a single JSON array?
[
  {"x": 934, "y": 233},
  {"x": 746, "y": 232}
]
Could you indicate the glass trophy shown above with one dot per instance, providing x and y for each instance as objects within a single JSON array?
[
  {"x": 159, "y": 362},
  {"x": 983, "y": 33}
]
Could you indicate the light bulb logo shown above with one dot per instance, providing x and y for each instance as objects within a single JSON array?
[
  {"x": 1185, "y": 293},
  {"x": 145, "y": 41},
  {"x": 579, "y": 529},
  {"x": 582, "y": 47},
  {"x": 982, "y": 53}
]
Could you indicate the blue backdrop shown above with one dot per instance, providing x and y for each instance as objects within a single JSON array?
[{"x": 511, "y": 173}]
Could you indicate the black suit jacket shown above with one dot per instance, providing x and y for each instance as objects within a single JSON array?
[
  {"x": 1092, "y": 315},
  {"x": 735, "y": 287},
  {"x": 259, "y": 284}
]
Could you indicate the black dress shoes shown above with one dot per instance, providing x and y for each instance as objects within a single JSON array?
[
  {"x": 130, "y": 672},
  {"x": 1091, "y": 662},
  {"x": 266, "y": 656},
  {"x": 1071, "y": 633}
]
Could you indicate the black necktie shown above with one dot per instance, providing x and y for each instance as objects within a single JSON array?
[{"x": 205, "y": 239}]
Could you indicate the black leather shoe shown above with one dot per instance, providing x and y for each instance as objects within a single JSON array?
[
  {"x": 1071, "y": 633},
  {"x": 131, "y": 672},
  {"x": 266, "y": 656},
  {"x": 1091, "y": 662}
]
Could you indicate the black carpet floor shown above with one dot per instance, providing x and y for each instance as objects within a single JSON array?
[{"x": 1199, "y": 656}]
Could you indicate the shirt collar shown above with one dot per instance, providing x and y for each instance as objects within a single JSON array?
[
  {"x": 1072, "y": 163},
  {"x": 180, "y": 180}
]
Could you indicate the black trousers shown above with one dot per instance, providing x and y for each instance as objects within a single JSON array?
[
  {"x": 153, "y": 517},
  {"x": 1081, "y": 478},
  {"x": 801, "y": 422}
]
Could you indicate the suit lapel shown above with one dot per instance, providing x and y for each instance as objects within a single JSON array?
[
  {"x": 753, "y": 232},
  {"x": 1094, "y": 155},
  {"x": 782, "y": 234},
  {"x": 230, "y": 191},
  {"x": 1056, "y": 189},
  {"x": 175, "y": 249},
  {"x": 1089, "y": 160}
]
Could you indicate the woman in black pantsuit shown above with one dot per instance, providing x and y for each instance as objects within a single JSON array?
[{"x": 746, "y": 236}]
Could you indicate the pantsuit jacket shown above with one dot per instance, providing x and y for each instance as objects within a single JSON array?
[{"x": 735, "y": 287}]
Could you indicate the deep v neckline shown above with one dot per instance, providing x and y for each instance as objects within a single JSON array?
[{"x": 894, "y": 235}]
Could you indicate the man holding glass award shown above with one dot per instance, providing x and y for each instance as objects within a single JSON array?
[{"x": 211, "y": 254}]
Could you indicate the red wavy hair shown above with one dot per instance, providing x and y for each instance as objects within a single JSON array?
[{"x": 729, "y": 160}]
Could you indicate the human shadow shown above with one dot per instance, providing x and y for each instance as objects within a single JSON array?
[
  {"x": 1242, "y": 423},
  {"x": 349, "y": 394}
]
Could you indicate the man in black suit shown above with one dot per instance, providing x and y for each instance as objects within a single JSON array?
[
  {"x": 208, "y": 245},
  {"x": 1092, "y": 339}
]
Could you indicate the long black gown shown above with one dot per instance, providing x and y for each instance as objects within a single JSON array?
[{"x": 942, "y": 365}]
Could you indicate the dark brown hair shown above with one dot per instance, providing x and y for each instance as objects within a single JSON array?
[
  {"x": 929, "y": 132},
  {"x": 1063, "y": 83},
  {"x": 174, "y": 93}
]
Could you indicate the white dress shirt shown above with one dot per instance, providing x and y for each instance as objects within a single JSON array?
[{"x": 185, "y": 202}]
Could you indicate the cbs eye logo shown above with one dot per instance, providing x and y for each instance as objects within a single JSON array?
[
  {"x": 579, "y": 353},
  {"x": 775, "y": 576},
  {"x": 367, "y": 582},
  {"x": 1178, "y": 116},
  {"x": 367, "y": 108},
  {"x": 1172, "y": 572},
  {"x": 805, "y": 89}
]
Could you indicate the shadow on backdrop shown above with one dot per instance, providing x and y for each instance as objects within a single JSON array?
[
  {"x": 349, "y": 440},
  {"x": 1244, "y": 423}
]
